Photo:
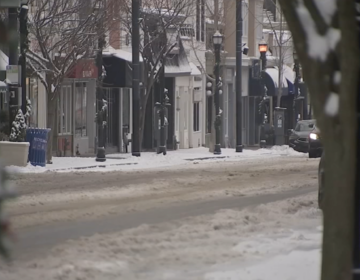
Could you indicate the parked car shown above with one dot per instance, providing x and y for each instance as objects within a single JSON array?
[
  {"x": 299, "y": 137},
  {"x": 315, "y": 145},
  {"x": 321, "y": 177}
]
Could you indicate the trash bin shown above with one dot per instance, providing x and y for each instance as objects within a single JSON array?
[{"x": 37, "y": 138}]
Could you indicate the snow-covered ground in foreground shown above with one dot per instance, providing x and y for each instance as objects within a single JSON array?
[
  {"x": 276, "y": 241},
  {"x": 151, "y": 160}
]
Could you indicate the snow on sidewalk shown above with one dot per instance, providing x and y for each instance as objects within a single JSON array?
[{"x": 152, "y": 160}]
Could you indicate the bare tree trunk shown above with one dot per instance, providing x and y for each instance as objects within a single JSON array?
[
  {"x": 338, "y": 129},
  {"x": 144, "y": 101}
]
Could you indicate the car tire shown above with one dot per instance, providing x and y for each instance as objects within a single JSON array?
[{"x": 313, "y": 154}]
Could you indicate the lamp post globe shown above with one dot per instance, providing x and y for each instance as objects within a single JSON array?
[
  {"x": 295, "y": 56},
  {"x": 263, "y": 47},
  {"x": 217, "y": 38}
]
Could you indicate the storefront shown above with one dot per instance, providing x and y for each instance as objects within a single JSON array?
[{"x": 76, "y": 111}]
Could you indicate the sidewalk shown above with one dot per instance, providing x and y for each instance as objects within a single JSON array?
[{"x": 126, "y": 162}]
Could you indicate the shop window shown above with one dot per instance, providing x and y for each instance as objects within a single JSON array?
[
  {"x": 80, "y": 109},
  {"x": 65, "y": 111},
  {"x": 196, "y": 126}
]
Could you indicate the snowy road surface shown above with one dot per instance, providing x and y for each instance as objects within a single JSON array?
[{"x": 229, "y": 220}]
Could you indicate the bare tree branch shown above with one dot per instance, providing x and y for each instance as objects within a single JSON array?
[{"x": 158, "y": 19}]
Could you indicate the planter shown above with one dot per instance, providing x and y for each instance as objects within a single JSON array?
[{"x": 14, "y": 153}]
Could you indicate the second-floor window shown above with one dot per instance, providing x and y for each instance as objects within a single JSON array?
[
  {"x": 65, "y": 110},
  {"x": 187, "y": 30}
]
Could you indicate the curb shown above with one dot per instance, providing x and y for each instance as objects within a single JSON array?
[
  {"x": 92, "y": 166},
  {"x": 207, "y": 158},
  {"x": 115, "y": 157}
]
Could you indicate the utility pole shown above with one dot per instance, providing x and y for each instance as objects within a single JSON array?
[
  {"x": 281, "y": 61},
  {"x": 239, "y": 33},
  {"x": 13, "y": 60},
  {"x": 297, "y": 96},
  {"x": 135, "y": 144},
  {"x": 216, "y": 15},
  {"x": 23, "y": 48}
]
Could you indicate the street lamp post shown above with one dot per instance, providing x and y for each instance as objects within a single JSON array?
[
  {"x": 263, "y": 48},
  {"x": 217, "y": 40},
  {"x": 296, "y": 85}
]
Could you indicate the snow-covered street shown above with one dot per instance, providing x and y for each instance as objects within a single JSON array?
[{"x": 210, "y": 220}]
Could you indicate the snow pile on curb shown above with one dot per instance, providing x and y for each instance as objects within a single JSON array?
[
  {"x": 126, "y": 162},
  {"x": 285, "y": 151},
  {"x": 230, "y": 244}
]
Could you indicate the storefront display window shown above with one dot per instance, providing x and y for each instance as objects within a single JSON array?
[{"x": 80, "y": 109}]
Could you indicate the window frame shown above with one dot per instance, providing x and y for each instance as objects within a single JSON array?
[
  {"x": 65, "y": 113},
  {"x": 196, "y": 117},
  {"x": 81, "y": 89}
]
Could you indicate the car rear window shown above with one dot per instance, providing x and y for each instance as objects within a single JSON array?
[{"x": 304, "y": 126}]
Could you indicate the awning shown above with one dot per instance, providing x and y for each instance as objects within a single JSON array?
[
  {"x": 177, "y": 70},
  {"x": 274, "y": 75},
  {"x": 121, "y": 54},
  {"x": 3, "y": 87},
  {"x": 177, "y": 65},
  {"x": 4, "y": 61},
  {"x": 194, "y": 70},
  {"x": 271, "y": 79}
]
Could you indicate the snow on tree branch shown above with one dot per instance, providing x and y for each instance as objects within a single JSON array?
[
  {"x": 18, "y": 129},
  {"x": 157, "y": 18},
  {"x": 38, "y": 74}
]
